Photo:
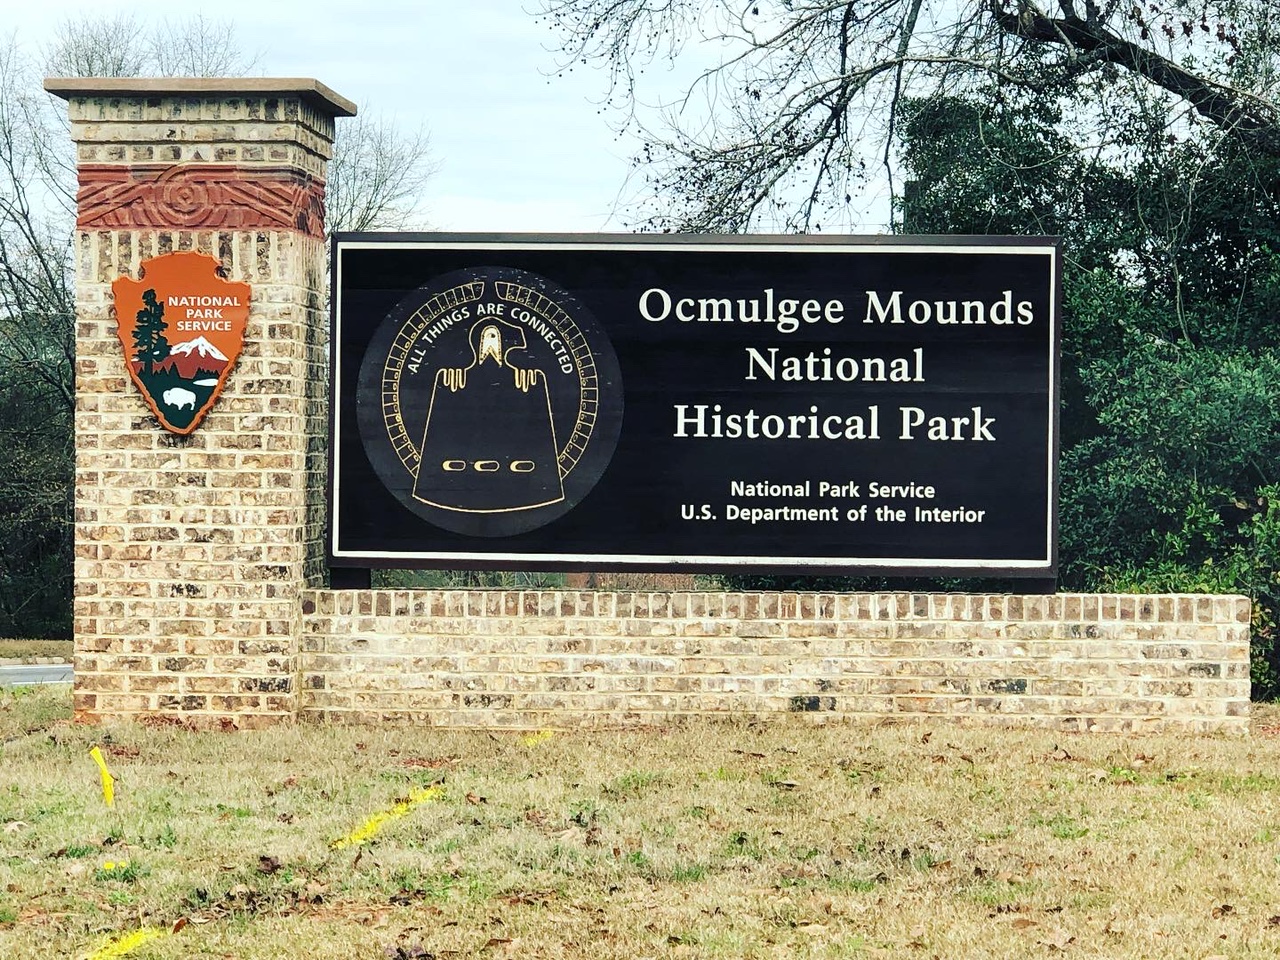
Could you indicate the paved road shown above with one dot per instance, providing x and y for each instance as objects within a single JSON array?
[{"x": 22, "y": 674}]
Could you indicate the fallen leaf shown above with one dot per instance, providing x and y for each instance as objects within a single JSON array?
[
  {"x": 179, "y": 924},
  {"x": 1009, "y": 908},
  {"x": 1022, "y": 923},
  {"x": 414, "y": 951},
  {"x": 1059, "y": 940},
  {"x": 267, "y": 864},
  {"x": 284, "y": 785},
  {"x": 475, "y": 800},
  {"x": 1225, "y": 910}
]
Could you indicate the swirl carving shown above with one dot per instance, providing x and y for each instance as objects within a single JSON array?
[{"x": 199, "y": 197}]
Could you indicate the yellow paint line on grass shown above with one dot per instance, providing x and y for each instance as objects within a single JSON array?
[
  {"x": 371, "y": 826},
  {"x": 108, "y": 781},
  {"x": 127, "y": 944},
  {"x": 542, "y": 736}
]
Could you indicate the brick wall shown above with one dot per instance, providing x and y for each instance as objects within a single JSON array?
[
  {"x": 191, "y": 551},
  {"x": 534, "y": 659}
]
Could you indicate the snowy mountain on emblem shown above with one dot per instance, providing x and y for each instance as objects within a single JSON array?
[
  {"x": 199, "y": 346},
  {"x": 193, "y": 357}
]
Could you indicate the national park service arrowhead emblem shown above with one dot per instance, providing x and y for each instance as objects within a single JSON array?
[{"x": 182, "y": 327}]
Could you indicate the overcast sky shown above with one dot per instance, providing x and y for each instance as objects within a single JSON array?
[{"x": 517, "y": 148}]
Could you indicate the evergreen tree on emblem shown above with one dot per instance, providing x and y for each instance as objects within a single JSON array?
[{"x": 148, "y": 335}]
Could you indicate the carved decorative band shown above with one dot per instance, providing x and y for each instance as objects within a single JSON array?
[{"x": 193, "y": 196}]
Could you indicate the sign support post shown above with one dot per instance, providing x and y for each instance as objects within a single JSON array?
[{"x": 195, "y": 537}]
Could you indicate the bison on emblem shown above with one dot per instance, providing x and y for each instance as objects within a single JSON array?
[
  {"x": 179, "y": 398},
  {"x": 182, "y": 327}
]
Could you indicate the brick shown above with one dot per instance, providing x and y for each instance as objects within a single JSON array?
[
  {"x": 176, "y": 517},
  {"x": 1124, "y": 674}
]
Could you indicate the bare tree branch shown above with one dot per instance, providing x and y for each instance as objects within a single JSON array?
[
  {"x": 1235, "y": 111},
  {"x": 793, "y": 98},
  {"x": 377, "y": 175},
  {"x": 103, "y": 46},
  {"x": 197, "y": 47}
]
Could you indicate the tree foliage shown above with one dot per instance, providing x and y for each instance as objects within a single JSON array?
[
  {"x": 150, "y": 344},
  {"x": 1171, "y": 387},
  {"x": 37, "y": 353}
]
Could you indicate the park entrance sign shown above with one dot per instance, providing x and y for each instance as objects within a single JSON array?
[
  {"x": 608, "y": 403},
  {"x": 772, "y": 404}
]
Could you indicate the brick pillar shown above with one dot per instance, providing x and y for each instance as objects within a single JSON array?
[{"x": 191, "y": 551}]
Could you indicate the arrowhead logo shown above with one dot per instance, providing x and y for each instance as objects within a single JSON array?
[{"x": 182, "y": 328}]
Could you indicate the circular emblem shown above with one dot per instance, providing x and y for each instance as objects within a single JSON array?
[{"x": 489, "y": 401}]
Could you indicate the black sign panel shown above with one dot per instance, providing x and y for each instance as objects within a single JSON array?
[{"x": 766, "y": 403}]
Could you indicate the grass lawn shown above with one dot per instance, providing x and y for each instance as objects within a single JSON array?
[{"x": 723, "y": 839}]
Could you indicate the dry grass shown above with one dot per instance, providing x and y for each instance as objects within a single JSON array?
[
  {"x": 711, "y": 840},
  {"x": 30, "y": 650}
]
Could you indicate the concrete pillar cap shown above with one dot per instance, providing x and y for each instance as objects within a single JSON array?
[{"x": 312, "y": 91}]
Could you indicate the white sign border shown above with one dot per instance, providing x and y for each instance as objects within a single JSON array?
[{"x": 1033, "y": 246}]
